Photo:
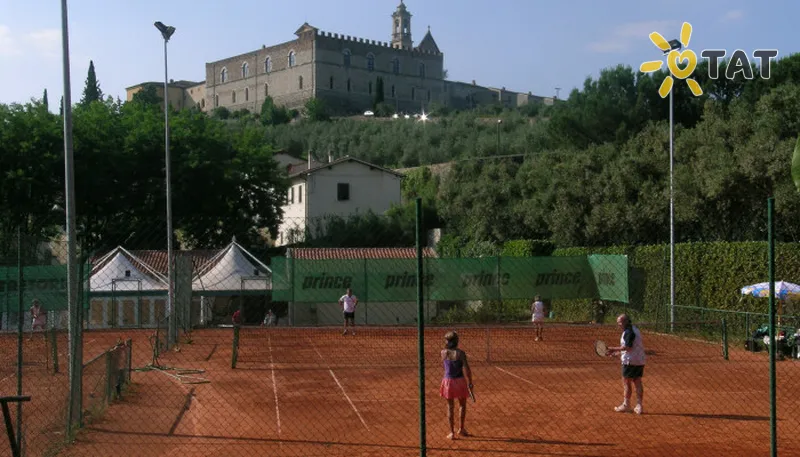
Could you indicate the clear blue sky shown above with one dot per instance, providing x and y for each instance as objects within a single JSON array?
[{"x": 524, "y": 45}]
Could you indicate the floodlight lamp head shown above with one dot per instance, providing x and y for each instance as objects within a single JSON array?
[
  {"x": 674, "y": 45},
  {"x": 166, "y": 30}
]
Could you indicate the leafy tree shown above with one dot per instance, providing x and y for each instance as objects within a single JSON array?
[
  {"x": 316, "y": 110},
  {"x": 91, "y": 91},
  {"x": 147, "y": 95},
  {"x": 274, "y": 115},
  {"x": 379, "y": 93}
]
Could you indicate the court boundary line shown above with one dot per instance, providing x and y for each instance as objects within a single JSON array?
[
  {"x": 347, "y": 397},
  {"x": 528, "y": 381},
  {"x": 274, "y": 386}
]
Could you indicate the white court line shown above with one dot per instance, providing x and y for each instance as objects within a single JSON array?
[
  {"x": 274, "y": 386},
  {"x": 340, "y": 387},
  {"x": 523, "y": 379}
]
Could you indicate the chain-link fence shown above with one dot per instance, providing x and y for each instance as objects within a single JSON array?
[{"x": 253, "y": 357}]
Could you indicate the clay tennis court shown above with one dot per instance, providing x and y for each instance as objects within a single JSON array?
[{"x": 314, "y": 392}]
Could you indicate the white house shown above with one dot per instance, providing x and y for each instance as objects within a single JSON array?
[{"x": 338, "y": 188}]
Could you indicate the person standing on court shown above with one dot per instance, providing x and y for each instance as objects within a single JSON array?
[
  {"x": 631, "y": 350},
  {"x": 537, "y": 312},
  {"x": 456, "y": 383},
  {"x": 348, "y": 303},
  {"x": 38, "y": 316}
]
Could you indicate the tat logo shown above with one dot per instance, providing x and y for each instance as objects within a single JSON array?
[{"x": 739, "y": 62}]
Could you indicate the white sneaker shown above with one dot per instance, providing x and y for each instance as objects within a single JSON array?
[
  {"x": 638, "y": 409},
  {"x": 623, "y": 408}
]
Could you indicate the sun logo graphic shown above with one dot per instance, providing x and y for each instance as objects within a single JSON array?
[{"x": 674, "y": 59}]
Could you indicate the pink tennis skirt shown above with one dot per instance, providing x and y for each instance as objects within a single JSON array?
[{"x": 454, "y": 388}]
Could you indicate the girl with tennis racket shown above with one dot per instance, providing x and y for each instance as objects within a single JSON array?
[{"x": 456, "y": 383}]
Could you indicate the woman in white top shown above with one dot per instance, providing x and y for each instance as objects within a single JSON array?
[{"x": 537, "y": 310}]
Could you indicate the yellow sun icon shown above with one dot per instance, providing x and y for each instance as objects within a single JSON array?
[{"x": 673, "y": 58}]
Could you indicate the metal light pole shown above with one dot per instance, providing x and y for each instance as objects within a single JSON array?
[
  {"x": 74, "y": 404},
  {"x": 499, "y": 121},
  {"x": 172, "y": 331},
  {"x": 674, "y": 45}
]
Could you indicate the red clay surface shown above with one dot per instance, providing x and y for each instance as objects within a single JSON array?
[{"x": 306, "y": 392}]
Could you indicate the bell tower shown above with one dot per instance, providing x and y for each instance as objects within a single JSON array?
[{"x": 401, "y": 27}]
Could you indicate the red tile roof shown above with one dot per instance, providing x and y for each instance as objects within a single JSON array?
[
  {"x": 357, "y": 253},
  {"x": 157, "y": 260}
]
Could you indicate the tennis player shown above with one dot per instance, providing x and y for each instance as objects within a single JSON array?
[
  {"x": 537, "y": 312},
  {"x": 631, "y": 350},
  {"x": 454, "y": 384},
  {"x": 348, "y": 303},
  {"x": 38, "y": 316}
]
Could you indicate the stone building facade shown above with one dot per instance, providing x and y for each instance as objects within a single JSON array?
[{"x": 344, "y": 71}]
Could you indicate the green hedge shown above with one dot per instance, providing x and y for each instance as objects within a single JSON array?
[{"x": 707, "y": 275}]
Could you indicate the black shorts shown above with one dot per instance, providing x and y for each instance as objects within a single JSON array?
[
  {"x": 350, "y": 315},
  {"x": 632, "y": 371}
]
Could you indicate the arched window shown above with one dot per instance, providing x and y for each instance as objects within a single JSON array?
[
  {"x": 266, "y": 89},
  {"x": 233, "y": 96},
  {"x": 346, "y": 57},
  {"x": 292, "y": 56},
  {"x": 300, "y": 82},
  {"x": 370, "y": 62},
  {"x": 396, "y": 66},
  {"x": 330, "y": 83},
  {"x": 267, "y": 65},
  {"x": 394, "y": 93},
  {"x": 246, "y": 94},
  {"x": 223, "y": 75},
  {"x": 245, "y": 70},
  {"x": 421, "y": 70}
]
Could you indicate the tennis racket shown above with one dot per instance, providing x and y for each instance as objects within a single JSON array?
[
  {"x": 471, "y": 393},
  {"x": 601, "y": 348}
]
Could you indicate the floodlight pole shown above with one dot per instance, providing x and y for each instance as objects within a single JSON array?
[
  {"x": 671, "y": 216},
  {"x": 172, "y": 324}
]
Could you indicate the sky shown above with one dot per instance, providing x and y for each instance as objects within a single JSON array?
[{"x": 523, "y": 45}]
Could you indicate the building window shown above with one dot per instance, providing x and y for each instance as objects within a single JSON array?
[
  {"x": 245, "y": 70},
  {"x": 223, "y": 75},
  {"x": 343, "y": 191},
  {"x": 233, "y": 96},
  {"x": 394, "y": 93},
  {"x": 300, "y": 194},
  {"x": 370, "y": 87},
  {"x": 300, "y": 82},
  {"x": 291, "y": 195},
  {"x": 346, "y": 57},
  {"x": 396, "y": 66},
  {"x": 348, "y": 85},
  {"x": 267, "y": 65},
  {"x": 413, "y": 93},
  {"x": 246, "y": 94},
  {"x": 370, "y": 62},
  {"x": 421, "y": 70},
  {"x": 397, "y": 26},
  {"x": 330, "y": 83},
  {"x": 291, "y": 59},
  {"x": 266, "y": 90},
  {"x": 216, "y": 101}
]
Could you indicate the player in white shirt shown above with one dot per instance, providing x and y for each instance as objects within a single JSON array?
[
  {"x": 348, "y": 302},
  {"x": 537, "y": 311},
  {"x": 632, "y": 356}
]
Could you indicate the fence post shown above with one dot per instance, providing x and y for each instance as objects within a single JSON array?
[
  {"x": 724, "y": 338},
  {"x": 235, "y": 353},
  {"x": 54, "y": 348},
  {"x": 20, "y": 327},
  {"x": 420, "y": 331},
  {"x": 773, "y": 414}
]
